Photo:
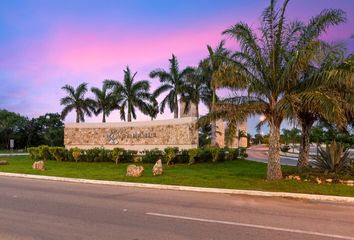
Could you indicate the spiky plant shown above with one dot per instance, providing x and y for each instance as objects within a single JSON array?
[{"x": 333, "y": 159}]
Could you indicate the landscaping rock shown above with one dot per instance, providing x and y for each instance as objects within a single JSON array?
[
  {"x": 329, "y": 180},
  {"x": 291, "y": 177},
  {"x": 135, "y": 171},
  {"x": 349, "y": 183},
  {"x": 4, "y": 162},
  {"x": 318, "y": 180},
  {"x": 38, "y": 165},
  {"x": 157, "y": 169}
]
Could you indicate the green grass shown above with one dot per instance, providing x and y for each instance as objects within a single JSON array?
[{"x": 240, "y": 174}]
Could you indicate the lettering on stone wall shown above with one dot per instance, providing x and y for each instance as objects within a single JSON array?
[{"x": 114, "y": 136}]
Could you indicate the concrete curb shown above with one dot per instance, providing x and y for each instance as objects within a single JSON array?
[{"x": 312, "y": 197}]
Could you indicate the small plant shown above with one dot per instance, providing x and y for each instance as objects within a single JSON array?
[
  {"x": 215, "y": 151},
  {"x": 170, "y": 154},
  {"x": 285, "y": 148},
  {"x": 117, "y": 154},
  {"x": 333, "y": 159},
  {"x": 151, "y": 156},
  {"x": 76, "y": 153},
  {"x": 58, "y": 153},
  {"x": 192, "y": 153}
]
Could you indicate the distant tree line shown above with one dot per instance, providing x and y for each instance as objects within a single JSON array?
[{"x": 44, "y": 130}]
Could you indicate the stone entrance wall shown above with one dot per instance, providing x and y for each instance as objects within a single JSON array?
[{"x": 134, "y": 135}]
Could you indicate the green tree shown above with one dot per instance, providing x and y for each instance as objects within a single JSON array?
[
  {"x": 131, "y": 95},
  {"x": 324, "y": 91},
  {"x": 75, "y": 100},
  {"x": 12, "y": 126},
  {"x": 267, "y": 68},
  {"x": 103, "y": 102},
  {"x": 172, "y": 81}
]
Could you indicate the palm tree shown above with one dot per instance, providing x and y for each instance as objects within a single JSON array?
[
  {"x": 76, "y": 101},
  {"x": 328, "y": 96},
  {"x": 198, "y": 87},
  {"x": 267, "y": 68},
  {"x": 153, "y": 108},
  {"x": 240, "y": 135},
  {"x": 103, "y": 102},
  {"x": 173, "y": 81},
  {"x": 131, "y": 95}
]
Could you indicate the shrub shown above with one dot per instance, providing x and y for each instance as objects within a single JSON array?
[
  {"x": 44, "y": 153},
  {"x": 333, "y": 159},
  {"x": 242, "y": 152},
  {"x": 33, "y": 152},
  {"x": 192, "y": 153},
  {"x": 233, "y": 154},
  {"x": 98, "y": 155},
  {"x": 76, "y": 153},
  {"x": 58, "y": 153},
  {"x": 285, "y": 148},
  {"x": 182, "y": 156},
  {"x": 128, "y": 155},
  {"x": 170, "y": 154},
  {"x": 117, "y": 154},
  {"x": 151, "y": 156},
  {"x": 215, "y": 151},
  {"x": 204, "y": 155}
]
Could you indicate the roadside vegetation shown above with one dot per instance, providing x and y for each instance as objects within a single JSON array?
[
  {"x": 236, "y": 174},
  {"x": 283, "y": 70}
]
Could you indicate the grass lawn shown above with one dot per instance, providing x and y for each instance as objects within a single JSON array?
[{"x": 239, "y": 174}]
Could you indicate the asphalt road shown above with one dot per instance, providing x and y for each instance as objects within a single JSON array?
[
  {"x": 259, "y": 153},
  {"x": 37, "y": 209}
]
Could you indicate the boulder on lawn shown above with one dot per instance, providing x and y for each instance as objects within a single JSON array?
[
  {"x": 38, "y": 165},
  {"x": 134, "y": 171},
  {"x": 3, "y": 162},
  {"x": 157, "y": 169}
]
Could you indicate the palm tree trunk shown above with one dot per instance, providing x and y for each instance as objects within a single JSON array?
[
  {"x": 129, "y": 115},
  {"x": 274, "y": 168},
  {"x": 213, "y": 133},
  {"x": 104, "y": 117},
  {"x": 77, "y": 116},
  {"x": 197, "y": 109},
  {"x": 175, "y": 109},
  {"x": 304, "y": 145}
]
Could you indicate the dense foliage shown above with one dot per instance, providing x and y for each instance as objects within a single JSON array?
[
  {"x": 44, "y": 130},
  {"x": 169, "y": 155}
]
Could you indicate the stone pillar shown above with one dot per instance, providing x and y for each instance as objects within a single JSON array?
[
  {"x": 243, "y": 140},
  {"x": 218, "y": 133},
  {"x": 191, "y": 112}
]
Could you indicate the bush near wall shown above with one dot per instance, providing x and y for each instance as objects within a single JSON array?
[{"x": 169, "y": 155}]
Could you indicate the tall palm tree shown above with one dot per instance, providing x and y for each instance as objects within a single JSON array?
[
  {"x": 198, "y": 87},
  {"x": 103, "y": 102},
  {"x": 267, "y": 67},
  {"x": 172, "y": 81},
  {"x": 75, "y": 100},
  {"x": 132, "y": 94}
]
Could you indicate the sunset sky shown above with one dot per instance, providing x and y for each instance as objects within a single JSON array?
[{"x": 45, "y": 44}]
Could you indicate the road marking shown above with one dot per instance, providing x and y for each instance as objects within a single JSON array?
[{"x": 252, "y": 226}]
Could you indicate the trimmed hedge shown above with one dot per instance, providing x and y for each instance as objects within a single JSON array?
[{"x": 169, "y": 155}]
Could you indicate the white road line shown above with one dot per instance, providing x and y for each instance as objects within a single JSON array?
[{"x": 252, "y": 226}]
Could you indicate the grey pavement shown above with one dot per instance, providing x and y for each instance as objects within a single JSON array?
[
  {"x": 38, "y": 209},
  {"x": 259, "y": 153}
]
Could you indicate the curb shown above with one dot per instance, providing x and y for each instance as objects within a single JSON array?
[{"x": 313, "y": 197}]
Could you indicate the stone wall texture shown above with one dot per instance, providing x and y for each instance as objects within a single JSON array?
[{"x": 180, "y": 133}]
